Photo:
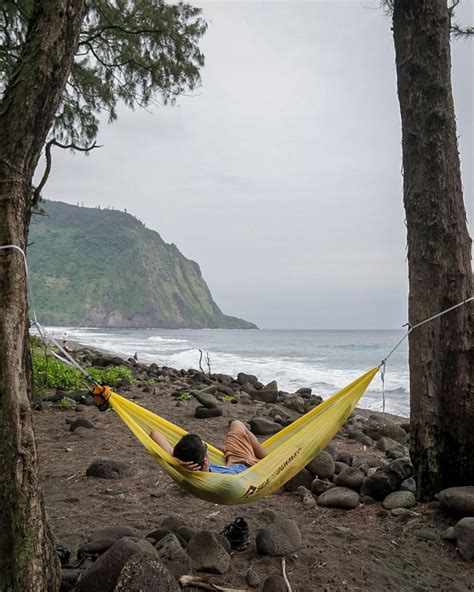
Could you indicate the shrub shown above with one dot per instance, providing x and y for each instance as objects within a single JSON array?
[{"x": 49, "y": 372}]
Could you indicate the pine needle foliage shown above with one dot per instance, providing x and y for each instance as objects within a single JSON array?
[{"x": 138, "y": 52}]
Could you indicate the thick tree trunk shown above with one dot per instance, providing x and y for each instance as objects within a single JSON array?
[
  {"x": 439, "y": 251},
  {"x": 27, "y": 555}
]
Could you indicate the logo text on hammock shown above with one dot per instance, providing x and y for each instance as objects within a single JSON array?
[{"x": 252, "y": 490}]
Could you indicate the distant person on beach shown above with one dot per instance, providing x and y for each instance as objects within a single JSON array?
[
  {"x": 241, "y": 450},
  {"x": 65, "y": 346},
  {"x": 135, "y": 356}
]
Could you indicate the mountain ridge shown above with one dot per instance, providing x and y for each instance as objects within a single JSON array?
[{"x": 104, "y": 268}]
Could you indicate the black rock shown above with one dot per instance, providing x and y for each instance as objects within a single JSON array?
[
  {"x": 82, "y": 423},
  {"x": 205, "y": 413},
  {"x": 279, "y": 539},
  {"x": 109, "y": 469}
]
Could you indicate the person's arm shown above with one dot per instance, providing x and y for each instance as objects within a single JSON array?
[{"x": 162, "y": 441}]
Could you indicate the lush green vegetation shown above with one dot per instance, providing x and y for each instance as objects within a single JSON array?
[
  {"x": 102, "y": 267},
  {"x": 185, "y": 396},
  {"x": 48, "y": 372}
]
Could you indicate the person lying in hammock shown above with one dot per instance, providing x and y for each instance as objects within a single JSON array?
[{"x": 241, "y": 450}]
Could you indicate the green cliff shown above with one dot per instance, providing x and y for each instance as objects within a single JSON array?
[{"x": 103, "y": 268}]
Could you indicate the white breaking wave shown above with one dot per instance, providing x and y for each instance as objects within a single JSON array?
[{"x": 318, "y": 367}]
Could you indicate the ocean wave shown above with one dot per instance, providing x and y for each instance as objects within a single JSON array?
[
  {"x": 306, "y": 365},
  {"x": 158, "y": 339}
]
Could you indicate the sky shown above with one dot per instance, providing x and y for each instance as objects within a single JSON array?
[{"x": 281, "y": 174}]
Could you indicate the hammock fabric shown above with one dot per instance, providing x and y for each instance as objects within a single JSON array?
[{"x": 289, "y": 450}]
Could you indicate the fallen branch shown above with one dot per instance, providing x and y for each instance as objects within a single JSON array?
[
  {"x": 197, "y": 582},
  {"x": 285, "y": 577}
]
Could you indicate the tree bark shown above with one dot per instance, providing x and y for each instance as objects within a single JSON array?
[
  {"x": 27, "y": 555},
  {"x": 439, "y": 251}
]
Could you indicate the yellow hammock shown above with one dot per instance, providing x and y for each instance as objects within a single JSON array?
[{"x": 288, "y": 451}]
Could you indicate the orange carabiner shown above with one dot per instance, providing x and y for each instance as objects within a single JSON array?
[{"x": 101, "y": 396}]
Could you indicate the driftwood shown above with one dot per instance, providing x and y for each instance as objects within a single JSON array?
[
  {"x": 285, "y": 577},
  {"x": 198, "y": 582}
]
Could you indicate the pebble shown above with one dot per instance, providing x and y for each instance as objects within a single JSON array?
[{"x": 252, "y": 579}]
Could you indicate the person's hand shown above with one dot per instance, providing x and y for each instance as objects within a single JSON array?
[{"x": 189, "y": 465}]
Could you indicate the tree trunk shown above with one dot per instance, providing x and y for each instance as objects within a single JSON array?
[
  {"x": 439, "y": 251},
  {"x": 28, "y": 559}
]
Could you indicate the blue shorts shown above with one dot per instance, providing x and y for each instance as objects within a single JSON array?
[{"x": 228, "y": 470}]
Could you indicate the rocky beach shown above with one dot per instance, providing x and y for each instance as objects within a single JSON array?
[{"x": 348, "y": 522}]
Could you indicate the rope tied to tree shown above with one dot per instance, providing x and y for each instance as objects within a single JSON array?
[{"x": 382, "y": 365}]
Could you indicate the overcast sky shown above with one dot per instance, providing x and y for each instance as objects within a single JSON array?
[{"x": 281, "y": 175}]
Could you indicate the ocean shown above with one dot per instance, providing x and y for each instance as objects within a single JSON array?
[{"x": 323, "y": 360}]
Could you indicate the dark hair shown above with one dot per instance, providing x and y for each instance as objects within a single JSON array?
[{"x": 191, "y": 449}]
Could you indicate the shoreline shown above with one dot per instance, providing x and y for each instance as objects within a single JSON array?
[
  {"x": 399, "y": 547},
  {"x": 361, "y": 410}
]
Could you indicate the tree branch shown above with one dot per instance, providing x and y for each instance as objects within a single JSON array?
[
  {"x": 47, "y": 170},
  {"x": 122, "y": 30},
  {"x": 458, "y": 31}
]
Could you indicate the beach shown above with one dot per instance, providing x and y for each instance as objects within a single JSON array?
[{"x": 366, "y": 548}]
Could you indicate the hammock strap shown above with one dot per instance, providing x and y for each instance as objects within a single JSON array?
[
  {"x": 382, "y": 378},
  {"x": 412, "y": 327}
]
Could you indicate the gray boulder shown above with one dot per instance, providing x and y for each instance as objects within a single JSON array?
[
  {"x": 172, "y": 554},
  {"x": 304, "y": 392},
  {"x": 295, "y": 402},
  {"x": 264, "y": 395},
  {"x": 252, "y": 578},
  {"x": 386, "y": 480},
  {"x": 304, "y": 478},
  {"x": 386, "y": 444},
  {"x": 458, "y": 500},
  {"x": 263, "y": 427},
  {"x": 207, "y": 554},
  {"x": 274, "y": 583},
  {"x": 399, "y": 470},
  {"x": 351, "y": 478},
  {"x": 114, "y": 533},
  {"x": 243, "y": 378},
  {"x": 377, "y": 485},
  {"x": 306, "y": 496},
  {"x": 376, "y": 430},
  {"x": 69, "y": 578},
  {"x": 206, "y": 412},
  {"x": 104, "y": 468},
  {"x": 408, "y": 485},
  {"x": 81, "y": 423},
  {"x": 278, "y": 539},
  {"x": 207, "y": 400},
  {"x": 103, "y": 574},
  {"x": 144, "y": 572},
  {"x": 272, "y": 386},
  {"x": 359, "y": 436},
  {"x": 322, "y": 465},
  {"x": 399, "y": 499},
  {"x": 94, "y": 548},
  {"x": 339, "y": 497},
  {"x": 319, "y": 486},
  {"x": 173, "y": 523},
  {"x": 345, "y": 457},
  {"x": 339, "y": 467},
  {"x": 464, "y": 533}
]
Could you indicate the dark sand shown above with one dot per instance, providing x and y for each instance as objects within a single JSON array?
[{"x": 362, "y": 549}]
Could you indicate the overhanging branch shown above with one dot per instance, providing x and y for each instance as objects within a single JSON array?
[
  {"x": 457, "y": 31},
  {"x": 47, "y": 170}
]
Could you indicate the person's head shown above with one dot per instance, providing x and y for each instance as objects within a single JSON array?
[{"x": 191, "y": 449}]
